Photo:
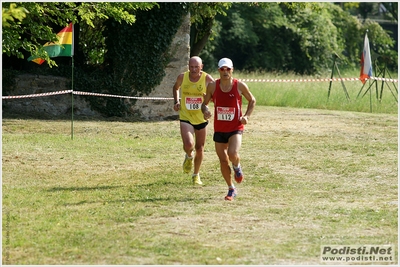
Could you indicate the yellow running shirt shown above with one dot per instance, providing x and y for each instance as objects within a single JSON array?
[{"x": 192, "y": 95}]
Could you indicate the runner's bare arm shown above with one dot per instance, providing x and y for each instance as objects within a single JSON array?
[
  {"x": 175, "y": 91},
  {"x": 206, "y": 100},
  {"x": 250, "y": 99}
]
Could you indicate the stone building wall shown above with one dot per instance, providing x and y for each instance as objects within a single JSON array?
[
  {"x": 162, "y": 109},
  {"x": 45, "y": 106},
  {"x": 60, "y": 105}
]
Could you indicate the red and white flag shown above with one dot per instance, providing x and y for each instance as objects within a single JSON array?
[{"x": 366, "y": 63}]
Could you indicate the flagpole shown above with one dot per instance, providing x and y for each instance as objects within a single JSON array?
[
  {"x": 72, "y": 101},
  {"x": 370, "y": 100},
  {"x": 72, "y": 82}
]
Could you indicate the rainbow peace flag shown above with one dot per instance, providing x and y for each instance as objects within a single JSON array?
[
  {"x": 63, "y": 48},
  {"x": 366, "y": 63}
]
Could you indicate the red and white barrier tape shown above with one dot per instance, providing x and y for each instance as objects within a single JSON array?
[
  {"x": 37, "y": 95},
  {"x": 84, "y": 93},
  {"x": 317, "y": 80},
  {"x": 171, "y": 98},
  {"x": 119, "y": 96}
]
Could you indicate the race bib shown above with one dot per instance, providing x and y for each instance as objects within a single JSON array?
[
  {"x": 225, "y": 114},
  {"x": 193, "y": 103}
]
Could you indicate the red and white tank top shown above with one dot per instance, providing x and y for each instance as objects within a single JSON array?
[{"x": 227, "y": 109}]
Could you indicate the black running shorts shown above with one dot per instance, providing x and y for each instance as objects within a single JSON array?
[
  {"x": 224, "y": 137},
  {"x": 198, "y": 126}
]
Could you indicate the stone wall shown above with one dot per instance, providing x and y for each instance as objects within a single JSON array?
[
  {"x": 163, "y": 109},
  {"x": 60, "y": 105},
  {"x": 44, "y": 106}
]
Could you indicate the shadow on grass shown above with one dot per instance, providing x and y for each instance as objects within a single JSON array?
[
  {"x": 139, "y": 200},
  {"x": 156, "y": 184},
  {"x": 85, "y": 188},
  {"x": 134, "y": 199}
]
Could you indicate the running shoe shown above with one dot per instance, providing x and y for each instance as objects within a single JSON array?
[
  {"x": 187, "y": 164},
  {"x": 238, "y": 174},
  {"x": 231, "y": 194},
  {"x": 196, "y": 179}
]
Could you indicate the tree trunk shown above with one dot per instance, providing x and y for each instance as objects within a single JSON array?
[{"x": 199, "y": 35}]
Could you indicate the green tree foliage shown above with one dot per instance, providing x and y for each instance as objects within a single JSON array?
[
  {"x": 381, "y": 45},
  {"x": 377, "y": 9},
  {"x": 137, "y": 55},
  {"x": 316, "y": 37},
  {"x": 365, "y": 8},
  {"x": 12, "y": 12},
  {"x": 276, "y": 37},
  {"x": 42, "y": 18},
  {"x": 298, "y": 37},
  {"x": 351, "y": 33},
  {"x": 392, "y": 8},
  {"x": 202, "y": 20}
]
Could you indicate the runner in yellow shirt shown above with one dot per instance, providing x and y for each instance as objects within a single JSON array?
[{"x": 192, "y": 86}]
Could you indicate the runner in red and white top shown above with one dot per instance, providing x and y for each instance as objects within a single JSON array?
[{"x": 229, "y": 120}]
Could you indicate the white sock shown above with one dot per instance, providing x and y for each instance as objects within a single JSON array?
[{"x": 236, "y": 167}]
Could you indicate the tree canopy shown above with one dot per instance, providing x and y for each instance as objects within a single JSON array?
[
  {"x": 36, "y": 23},
  {"x": 283, "y": 36},
  {"x": 299, "y": 37}
]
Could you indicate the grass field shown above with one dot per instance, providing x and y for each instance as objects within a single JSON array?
[
  {"x": 374, "y": 96},
  {"x": 116, "y": 194}
]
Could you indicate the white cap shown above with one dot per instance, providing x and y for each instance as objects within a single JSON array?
[{"x": 225, "y": 62}]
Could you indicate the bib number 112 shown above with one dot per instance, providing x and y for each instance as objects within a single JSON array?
[{"x": 225, "y": 114}]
